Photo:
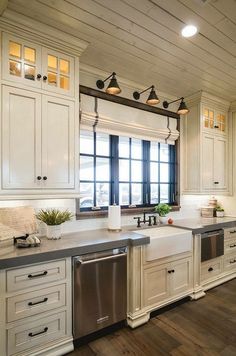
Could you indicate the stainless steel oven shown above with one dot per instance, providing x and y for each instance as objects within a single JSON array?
[
  {"x": 212, "y": 244},
  {"x": 100, "y": 290}
]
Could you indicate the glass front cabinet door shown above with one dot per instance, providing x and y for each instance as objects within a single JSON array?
[
  {"x": 58, "y": 72},
  {"x": 214, "y": 121},
  {"x": 21, "y": 61},
  {"x": 40, "y": 67}
]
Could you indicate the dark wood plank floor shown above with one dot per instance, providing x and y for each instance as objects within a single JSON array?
[{"x": 198, "y": 328}]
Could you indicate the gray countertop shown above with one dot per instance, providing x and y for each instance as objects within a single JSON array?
[
  {"x": 98, "y": 240},
  {"x": 201, "y": 225},
  {"x": 70, "y": 245}
]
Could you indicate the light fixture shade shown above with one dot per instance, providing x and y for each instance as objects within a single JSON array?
[
  {"x": 152, "y": 98},
  {"x": 182, "y": 110},
  {"x": 113, "y": 87}
]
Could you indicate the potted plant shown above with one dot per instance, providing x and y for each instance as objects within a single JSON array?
[
  {"x": 53, "y": 218},
  {"x": 162, "y": 210},
  {"x": 220, "y": 211}
]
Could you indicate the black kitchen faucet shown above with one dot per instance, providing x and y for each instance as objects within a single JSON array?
[{"x": 145, "y": 220}]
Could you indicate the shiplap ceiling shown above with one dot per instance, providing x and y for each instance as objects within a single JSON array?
[{"x": 141, "y": 41}]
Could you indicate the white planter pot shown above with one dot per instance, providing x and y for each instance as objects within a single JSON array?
[
  {"x": 53, "y": 232},
  {"x": 220, "y": 214},
  {"x": 163, "y": 219}
]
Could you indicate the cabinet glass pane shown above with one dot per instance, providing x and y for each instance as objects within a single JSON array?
[
  {"x": 154, "y": 194},
  {"x": 86, "y": 168},
  {"x": 136, "y": 197},
  {"x": 124, "y": 147},
  {"x": 64, "y": 66},
  {"x": 136, "y": 148},
  {"x": 29, "y": 54},
  {"x": 102, "y": 169},
  {"x": 123, "y": 194},
  {"x": 29, "y": 72},
  {"x": 52, "y": 62},
  {"x": 14, "y": 49},
  {"x": 102, "y": 194},
  {"x": 123, "y": 170},
  {"x": 164, "y": 193},
  {"x": 52, "y": 79},
  {"x": 86, "y": 142},
  {"x": 153, "y": 172},
  {"x": 87, "y": 190},
  {"x": 102, "y": 144},
  {"x": 64, "y": 82},
  {"x": 136, "y": 171},
  {"x": 15, "y": 68}
]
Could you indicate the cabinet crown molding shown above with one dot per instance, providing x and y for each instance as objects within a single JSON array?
[
  {"x": 41, "y": 33},
  {"x": 202, "y": 97}
]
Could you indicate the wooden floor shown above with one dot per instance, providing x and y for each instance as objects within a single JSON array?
[{"x": 203, "y": 327}]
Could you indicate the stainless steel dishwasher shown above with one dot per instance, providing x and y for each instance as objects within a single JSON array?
[{"x": 100, "y": 290}]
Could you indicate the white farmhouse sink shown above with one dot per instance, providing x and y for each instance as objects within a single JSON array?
[{"x": 167, "y": 241}]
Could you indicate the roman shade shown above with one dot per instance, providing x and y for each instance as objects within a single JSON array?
[{"x": 121, "y": 120}]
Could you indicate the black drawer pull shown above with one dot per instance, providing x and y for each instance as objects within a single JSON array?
[
  {"x": 38, "y": 275},
  {"x": 232, "y": 232},
  {"x": 210, "y": 269},
  {"x": 40, "y": 332},
  {"x": 169, "y": 271},
  {"x": 232, "y": 245},
  {"x": 216, "y": 126},
  {"x": 216, "y": 182},
  {"x": 232, "y": 261},
  {"x": 35, "y": 303}
]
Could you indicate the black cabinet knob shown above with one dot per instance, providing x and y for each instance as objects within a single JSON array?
[
  {"x": 216, "y": 126},
  {"x": 45, "y": 178},
  {"x": 39, "y": 76},
  {"x": 210, "y": 269},
  {"x": 169, "y": 271},
  {"x": 45, "y": 77},
  {"x": 39, "y": 178},
  {"x": 173, "y": 271}
]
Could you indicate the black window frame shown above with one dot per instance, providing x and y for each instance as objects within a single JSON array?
[{"x": 146, "y": 183}]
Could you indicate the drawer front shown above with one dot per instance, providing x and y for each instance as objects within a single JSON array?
[
  {"x": 26, "y": 277},
  {"x": 230, "y": 262},
  {"x": 36, "y": 333},
  {"x": 230, "y": 233},
  {"x": 230, "y": 245},
  {"x": 32, "y": 303},
  {"x": 211, "y": 269}
]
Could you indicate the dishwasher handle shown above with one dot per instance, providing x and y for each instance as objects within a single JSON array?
[{"x": 81, "y": 262}]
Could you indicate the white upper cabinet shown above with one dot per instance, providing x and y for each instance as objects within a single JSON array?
[
  {"x": 30, "y": 64},
  {"x": 37, "y": 142},
  {"x": 207, "y": 155}
]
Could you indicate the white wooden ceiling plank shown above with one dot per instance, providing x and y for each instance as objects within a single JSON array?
[
  {"x": 140, "y": 53},
  {"x": 226, "y": 7},
  {"x": 227, "y": 27},
  {"x": 152, "y": 31},
  {"x": 177, "y": 9}
]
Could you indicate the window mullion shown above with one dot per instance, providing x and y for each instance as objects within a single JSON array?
[
  {"x": 114, "y": 189},
  {"x": 94, "y": 169}
]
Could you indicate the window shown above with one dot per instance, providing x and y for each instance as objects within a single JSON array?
[{"x": 125, "y": 171}]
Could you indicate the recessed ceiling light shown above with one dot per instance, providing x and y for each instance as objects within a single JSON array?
[{"x": 189, "y": 31}]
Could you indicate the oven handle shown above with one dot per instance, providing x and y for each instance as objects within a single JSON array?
[
  {"x": 212, "y": 235},
  {"x": 79, "y": 261}
]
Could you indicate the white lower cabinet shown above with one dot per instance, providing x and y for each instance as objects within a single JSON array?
[
  {"x": 36, "y": 315},
  {"x": 167, "y": 281},
  {"x": 38, "y": 143}
]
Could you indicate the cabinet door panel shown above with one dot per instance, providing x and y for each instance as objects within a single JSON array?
[
  {"x": 58, "y": 72},
  {"x": 58, "y": 143},
  {"x": 181, "y": 280},
  {"x": 156, "y": 284},
  {"x": 207, "y": 162},
  {"x": 220, "y": 163},
  {"x": 21, "y": 140},
  {"x": 21, "y": 61}
]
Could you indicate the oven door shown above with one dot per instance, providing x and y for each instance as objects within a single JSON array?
[{"x": 212, "y": 245}]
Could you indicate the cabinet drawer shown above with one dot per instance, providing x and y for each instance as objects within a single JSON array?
[
  {"x": 21, "y": 278},
  {"x": 230, "y": 262},
  {"x": 230, "y": 233},
  {"x": 211, "y": 269},
  {"x": 230, "y": 245},
  {"x": 36, "y": 333},
  {"x": 32, "y": 303}
]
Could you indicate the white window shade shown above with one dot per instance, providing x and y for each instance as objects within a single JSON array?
[{"x": 121, "y": 120}]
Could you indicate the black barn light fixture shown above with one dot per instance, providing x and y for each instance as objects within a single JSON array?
[
  {"x": 152, "y": 98},
  {"x": 182, "y": 110},
  {"x": 113, "y": 87}
]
